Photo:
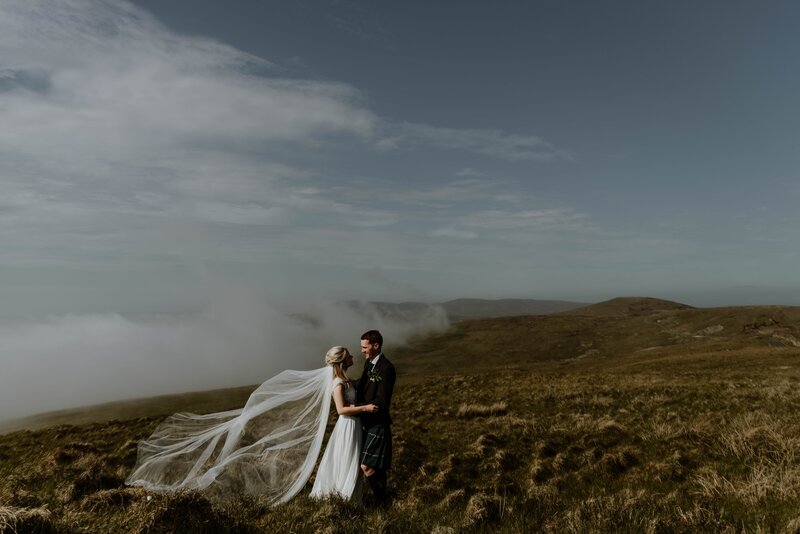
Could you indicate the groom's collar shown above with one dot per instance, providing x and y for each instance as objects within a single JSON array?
[{"x": 374, "y": 361}]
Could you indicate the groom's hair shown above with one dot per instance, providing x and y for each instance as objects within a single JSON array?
[{"x": 373, "y": 336}]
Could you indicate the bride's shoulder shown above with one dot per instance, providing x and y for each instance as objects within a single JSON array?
[{"x": 340, "y": 382}]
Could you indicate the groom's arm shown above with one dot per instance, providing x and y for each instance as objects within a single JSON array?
[
  {"x": 360, "y": 384},
  {"x": 383, "y": 395}
]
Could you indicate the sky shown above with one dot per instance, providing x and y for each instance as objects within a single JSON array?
[
  {"x": 180, "y": 178},
  {"x": 151, "y": 150}
]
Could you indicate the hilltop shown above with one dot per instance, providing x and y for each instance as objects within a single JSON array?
[
  {"x": 622, "y": 306},
  {"x": 463, "y": 309},
  {"x": 631, "y": 415}
]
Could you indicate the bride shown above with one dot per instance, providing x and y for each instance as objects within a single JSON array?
[
  {"x": 340, "y": 469},
  {"x": 269, "y": 447}
]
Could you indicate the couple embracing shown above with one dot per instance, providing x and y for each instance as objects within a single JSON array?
[
  {"x": 268, "y": 449},
  {"x": 361, "y": 441}
]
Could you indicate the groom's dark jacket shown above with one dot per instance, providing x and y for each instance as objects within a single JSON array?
[{"x": 376, "y": 392}]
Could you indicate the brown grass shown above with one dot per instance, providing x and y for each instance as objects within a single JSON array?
[
  {"x": 481, "y": 410},
  {"x": 25, "y": 520},
  {"x": 697, "y": 435}
]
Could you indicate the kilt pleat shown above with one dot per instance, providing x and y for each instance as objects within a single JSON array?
[{"x": 377, "y": 451}]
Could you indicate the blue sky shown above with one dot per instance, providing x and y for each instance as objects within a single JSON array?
[{"x": 153, "y": 150}]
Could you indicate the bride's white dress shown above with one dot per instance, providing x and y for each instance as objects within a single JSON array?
[{"x": 340, "y": 469}]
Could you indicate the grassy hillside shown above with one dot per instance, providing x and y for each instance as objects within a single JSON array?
[{"x": 655, "y": 418}]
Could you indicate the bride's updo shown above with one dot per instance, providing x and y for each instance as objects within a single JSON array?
[{"x": 335, "y": 357}]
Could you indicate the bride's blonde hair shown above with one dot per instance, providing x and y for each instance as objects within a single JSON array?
[{"x": 335, "y": 358}]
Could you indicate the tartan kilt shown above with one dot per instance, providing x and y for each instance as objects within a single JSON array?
[{"x": 377, "y": 452}]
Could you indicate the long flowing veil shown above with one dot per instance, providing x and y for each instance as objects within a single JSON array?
[{"x": 266, "y": 449}]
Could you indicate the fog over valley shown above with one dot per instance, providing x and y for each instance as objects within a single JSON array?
[{"x": 239, "y": 338}]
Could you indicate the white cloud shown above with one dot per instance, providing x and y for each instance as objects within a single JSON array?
[
  {"x": 515, "y": 226},
  {"x": 494, "y": 143},
  {"x": 323, "y": 202},
  {"x": 129, "y": 86},
  {"x": 509, "y": 220},
  {"x": 240, "y": 214},
  {"x": 108, "y": 120},
  {"x": 452, "y": 232},
  {"x": 104, "y": 112},
  {"x": 450, "y": 193}
]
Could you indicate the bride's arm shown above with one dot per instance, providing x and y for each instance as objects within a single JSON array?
[{"x": 341, "y": 405}]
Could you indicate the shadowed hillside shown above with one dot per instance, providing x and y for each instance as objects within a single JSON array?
[{"x": 635, "y": 415}]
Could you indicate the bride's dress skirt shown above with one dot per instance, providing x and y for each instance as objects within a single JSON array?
[{"x": 340, "y": 469}]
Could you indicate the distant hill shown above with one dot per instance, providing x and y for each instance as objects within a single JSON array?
[
  {"x": 463, "y": 309},
  {"x": 625, "y": 333},
  {"x": 629, "y": 306}
]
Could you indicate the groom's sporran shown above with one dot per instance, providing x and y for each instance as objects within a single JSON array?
[{"x": 375, "y": 387}]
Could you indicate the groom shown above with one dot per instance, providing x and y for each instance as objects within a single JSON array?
[{"x": 375, "y": 387}]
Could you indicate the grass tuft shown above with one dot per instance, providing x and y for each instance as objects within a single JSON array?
[
  {"x": 26, "y": 520},
  {"x": 617, "y": 462},
  {"x": 186, "y": 512},
  {"x": 481, "y": 410},
  {"x": 481, "y": 510}
]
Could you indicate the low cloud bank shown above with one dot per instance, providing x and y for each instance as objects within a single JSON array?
[{"x": 75, "y": 360}]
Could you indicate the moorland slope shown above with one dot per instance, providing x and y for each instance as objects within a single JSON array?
[{"x": 635, "y": 415}]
